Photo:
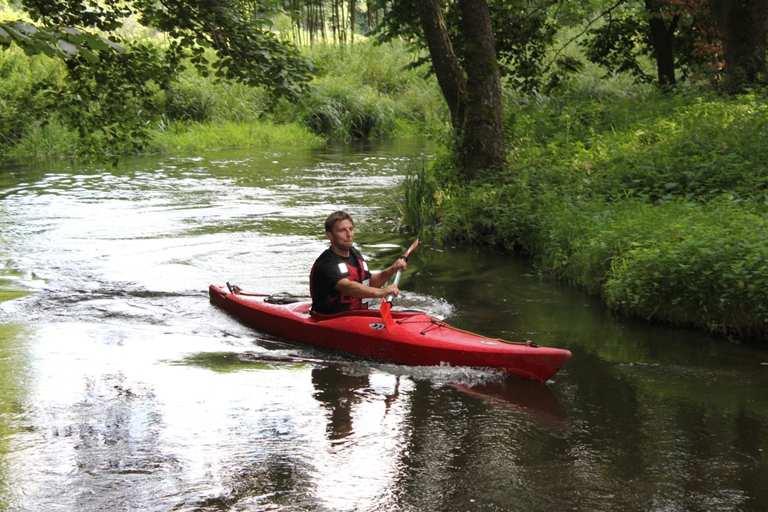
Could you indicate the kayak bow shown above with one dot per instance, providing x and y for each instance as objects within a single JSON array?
[{"x": 415, "y": 339}]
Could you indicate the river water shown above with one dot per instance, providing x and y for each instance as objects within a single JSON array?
[{"x": 122, "y": 388}]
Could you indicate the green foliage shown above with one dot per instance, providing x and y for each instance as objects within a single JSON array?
[
  {"x": 623, "y": 41},
  {"x": 705, "y": 265},
  {"x": 112, "y": 84},
  {"x": 422, "y": 196},
  {"x": 113, "y": 120},
  {"x": 523, "y": 32},
  {"x": 24, "y": 97},
  {"x": 345, "y": 111},
  {"x": 693, "y": 145},
  {"x": 192, "y": 97},
  {"x": 365, "y": 91},
  {"x": 195, "y": 137},
  {"x": 587, "y": 195},
  {"x": 700, "y": 150},
  {"x": 619, "y": 44},
  {"x": 46, "y": 140},
  {"x": 239, "y": 33}
]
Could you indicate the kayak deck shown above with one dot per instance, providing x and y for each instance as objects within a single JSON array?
[{"x": 415, "y": 338}]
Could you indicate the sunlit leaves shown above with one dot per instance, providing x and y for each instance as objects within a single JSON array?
[
  {"x": 523, "y": 31},
  {"x": 112, "y": 84}
]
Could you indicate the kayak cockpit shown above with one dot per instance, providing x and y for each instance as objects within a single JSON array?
[
  {"x": 305, "y": 308},
  {"x": 366, "y": 313}
]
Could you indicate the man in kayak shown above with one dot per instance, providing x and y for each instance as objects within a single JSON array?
[{"x": 340, "y": 280}]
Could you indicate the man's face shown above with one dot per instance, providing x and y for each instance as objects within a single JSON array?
[{"x": 342, "y": 235}]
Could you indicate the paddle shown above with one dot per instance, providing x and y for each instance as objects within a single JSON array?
[{"x": 386, "y": 305}]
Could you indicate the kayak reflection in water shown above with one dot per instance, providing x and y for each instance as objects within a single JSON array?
[{"x": 340, "y": 280}]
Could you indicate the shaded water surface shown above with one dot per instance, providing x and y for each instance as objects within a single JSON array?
[{"x": 122, "y": 388}]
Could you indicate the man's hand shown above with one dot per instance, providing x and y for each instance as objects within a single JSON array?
[
  {"x": 389, "y": 290},
  {"x": 399, "y": 264},
  {"x": 380, "y": 278}
]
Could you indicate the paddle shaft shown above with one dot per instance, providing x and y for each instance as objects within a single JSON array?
[{"x": 396, "y": 281}]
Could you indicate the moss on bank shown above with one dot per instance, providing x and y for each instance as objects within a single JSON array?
[{"x": 656, "y": 202}]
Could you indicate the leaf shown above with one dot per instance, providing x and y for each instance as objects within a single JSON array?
[
  {"x": 25, "y": 28},
  {"x": 67, "y": 47},
  {"x": 89, "y": 56}
]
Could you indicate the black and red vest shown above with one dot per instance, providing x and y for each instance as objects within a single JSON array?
[{"x": 327, "y": 271}]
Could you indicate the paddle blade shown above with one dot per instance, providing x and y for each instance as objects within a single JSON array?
[
  {"x": 412, "y": 248},
  {"x": 386, "y": 314}
]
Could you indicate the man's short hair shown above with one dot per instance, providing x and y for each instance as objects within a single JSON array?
[{"x": 336, "y": 217}]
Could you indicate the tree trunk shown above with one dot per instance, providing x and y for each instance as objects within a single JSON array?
[
  {"x": 334, "y": 20},
  {"x": 447, "y": 68},
  {"x": 482, "y": 141},
  {"x": 369, "y": 15},
  {"x": 352, "y": 8},
  {"x": 321, "y": 11},
  {"x": 743, "y": 27},
  {"x": 473, "y": 93},
  {"x": 663, "y": 42},
  {"x": 311, "y": 22}
]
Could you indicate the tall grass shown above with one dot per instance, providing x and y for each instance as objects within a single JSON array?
[
  {"x": 367, "y": 91},
  {"x": 186, "y": 137},
  {"x": 25, "y": 95}
]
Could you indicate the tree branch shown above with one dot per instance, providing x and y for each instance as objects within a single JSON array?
[{"x": 586, "y": 28}]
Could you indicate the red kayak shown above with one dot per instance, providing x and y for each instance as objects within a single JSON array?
[{"x": 415, "y": 338}]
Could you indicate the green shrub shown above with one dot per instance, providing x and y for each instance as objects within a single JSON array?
[
  {"x": 184, "y": 102},
  {"x": 27, "y": 94},
  {"x": 45, "y": 141},
  {"x": 706, "y": 266},
  {"x": 341, "y": 110},
  {"x": 361, "y": 92},
  {"x": 366, "y": 91},
  {"x": 655, "y": 146},
  {"x": 192, "y": 97},
  {"x": 657, "y": 203}
]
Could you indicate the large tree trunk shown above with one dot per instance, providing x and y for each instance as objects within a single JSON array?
[
  {"x": 482, "y": 142},
  {"x": 743, "y": 26},
  {"x": 473, "y": 93},
  {"x": 663, "y": 42},
  {"x": 450, "y": 75}
]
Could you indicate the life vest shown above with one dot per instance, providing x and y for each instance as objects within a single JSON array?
[{"x": 358, "y": 273}]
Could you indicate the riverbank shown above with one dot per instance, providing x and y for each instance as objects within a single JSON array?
[
  {"x": 655, "y": 202},
  {"x": 362, "y": 92}
]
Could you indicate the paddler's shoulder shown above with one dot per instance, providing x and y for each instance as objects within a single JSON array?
[{"x": 327, "y": 255}]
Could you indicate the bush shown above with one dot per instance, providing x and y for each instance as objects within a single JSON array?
[
  {"x": 658, "y": 204},
  {"x": 192, "y": 97},
  {"x": 361, "y": 92},
  {"x": 345, "y": 112},
  {"x": 705, "y": 266},
  {"x": 27, "y": 95},
  {"x": 655, "y": 146},
  {"x": 366, "y": 91}
]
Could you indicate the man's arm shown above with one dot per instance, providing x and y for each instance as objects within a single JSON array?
[
  {"x": 378, "y": 279},
  {"x": 354, "y": 289}
]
